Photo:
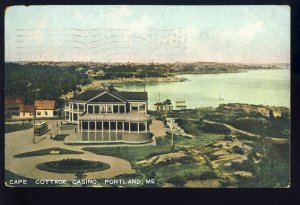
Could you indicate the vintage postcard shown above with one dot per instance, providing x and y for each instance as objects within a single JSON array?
[{"x": 147, "y": 96}]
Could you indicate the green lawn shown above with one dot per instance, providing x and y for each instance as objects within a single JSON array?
[
  {"x": 47, "y": 152},
  {"x": 17, "y": 127},
  {"x": 131, "y": 153}
]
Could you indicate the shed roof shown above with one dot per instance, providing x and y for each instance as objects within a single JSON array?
[
  {"x": 45, "y": 104},
  {"x": 27, "y": 108}
]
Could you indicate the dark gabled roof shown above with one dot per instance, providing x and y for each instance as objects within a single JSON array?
[
  {"x": 106, "y": 98},
  {"x": 87, "y": 95},
  {"x": 123, "y": 95},
  {"x": 132, "y": 96}
]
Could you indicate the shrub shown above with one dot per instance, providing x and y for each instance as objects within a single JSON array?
[
  {"x": 208, "y": 175},
  {"x": 228, "y": 137},
  {"x": 177, "y": 180},
  {"x": 215, "y": 128},
  {"x": 238, "y": 150}
]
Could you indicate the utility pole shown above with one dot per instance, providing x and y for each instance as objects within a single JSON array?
[
  {"x": 145, "y": 83},
  {"x": 33, "y": 131}
]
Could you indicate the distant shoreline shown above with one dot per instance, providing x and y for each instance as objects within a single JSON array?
[
  {"x": 175, "y": 78},
  {"x": 99, "y": 83}
]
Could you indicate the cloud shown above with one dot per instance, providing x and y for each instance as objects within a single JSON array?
[{"x": 246, "y": 32}]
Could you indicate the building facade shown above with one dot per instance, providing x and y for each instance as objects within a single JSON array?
[
  {"x": 109, "y": 115},
  {"x": 27, "y": 111},
  {"x": 44, "y": 108}
]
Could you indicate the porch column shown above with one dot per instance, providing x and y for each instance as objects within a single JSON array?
[
  {"x": 78, "y": 127},
  {"x": 81, "y": 127},
  {"x": 95, "y": 131},
  {"x": 65, "y": 113},
  {"x": 138, "y": 126},
  {"x": 129, "y": 127},
  {"x": 69, "y": 112},
  {"x": 93, "y": 109},
  {"x": 118, "y": 108},
  {"x": 146, "y": 127},
  {"x": 88, "y": 130},
  {"x": 123, "y": 126},
  {"x": 116, "y": 127}
]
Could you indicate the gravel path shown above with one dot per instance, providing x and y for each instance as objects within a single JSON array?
[{"x": 22, "y": 141}]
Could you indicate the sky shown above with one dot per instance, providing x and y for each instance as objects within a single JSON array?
[{"x": 143, "y": 34}]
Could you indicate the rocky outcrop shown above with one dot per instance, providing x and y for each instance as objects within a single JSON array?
[
  {"x": 166, "y": 158},
  {"x": 209, "y": 183}
]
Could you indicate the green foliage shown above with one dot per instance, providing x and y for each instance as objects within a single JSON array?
[
  {"x": 238, "y": 150},
  {"x": 189, "y": 126},
  {"x": 208, "y": 175},
  {"x": 228, "y": 137},
  {"x": 17, "y": 127},
  {"x": 215, "y": 128},
  {"x": 42, "y": 81},
  {"x": 179, "y": 181}
]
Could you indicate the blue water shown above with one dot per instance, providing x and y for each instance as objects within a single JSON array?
[{"x": 267, "y": 87}]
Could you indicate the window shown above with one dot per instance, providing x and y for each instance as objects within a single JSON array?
[
  {"x": 81, "y": 106},
  {"x": 103, "y": 110},
  {"x": 38, "y": 113},
  {"x": 134, "y": 106},
  {"x": 99, "y": 125},
  {"x": 109, "y": 108},
  {"x": 115, "y": 108},
  {"x": 92, "y": 125},
  {"x": 122, "y": 108},
  {"x": 46, "y": 113},
  {"x": 97, "y": 109},
  {"x": 142, "y": 107},
  {"x": 90, "y": 109},
  {"x": 120, "y": 125}
]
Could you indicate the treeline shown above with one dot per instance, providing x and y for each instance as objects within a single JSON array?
[
  {"x": 138, "y": 71},
  {"x": 42, "y": 81}
]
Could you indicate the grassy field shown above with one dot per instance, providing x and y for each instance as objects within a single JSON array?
[
  {"x": 47, "y": 151},
  {"x": 132, "y": 154},
  {"x": 17, "y": 127},
  {"x": 199, "y": 140}
]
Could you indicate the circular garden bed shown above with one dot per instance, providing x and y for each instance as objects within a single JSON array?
[{"x": 73, "y": 166}]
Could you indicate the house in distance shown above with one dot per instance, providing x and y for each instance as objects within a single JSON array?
[{"x": 44, "y": 108}]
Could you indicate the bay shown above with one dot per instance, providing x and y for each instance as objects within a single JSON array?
[{"x": 266, "y": 87}]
